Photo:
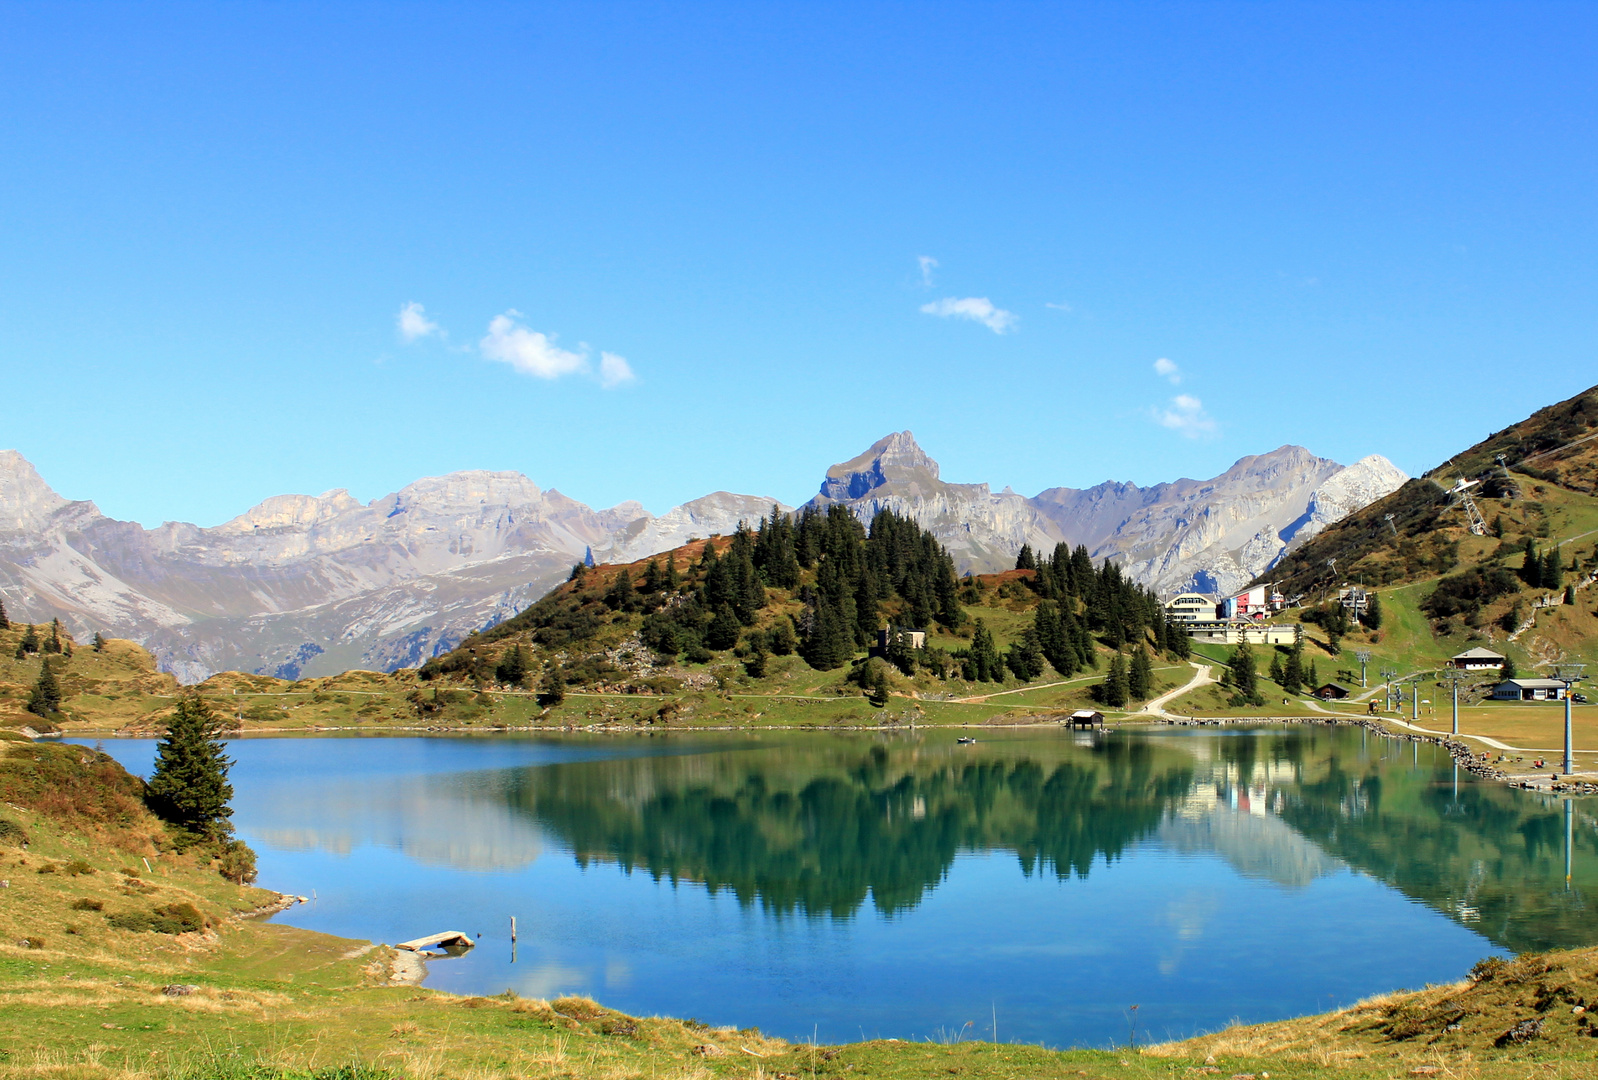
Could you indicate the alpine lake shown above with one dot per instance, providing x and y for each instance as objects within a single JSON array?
[{"x": 1069, "y": 889}]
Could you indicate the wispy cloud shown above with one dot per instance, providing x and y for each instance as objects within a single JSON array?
[
  {"x": 414, "y": 324},
  {"x": 533, "y": 353},
  {"x": 1185, "y": 415},
  {"x": 528, "y": 351},
  {"x": 976, "y": 308},
  {"x": 928, "y": 264},
  {"x": 614, "y": 370},
  {"x": 1168, "y": 371},
  {"x": 1062, "y": 306}
]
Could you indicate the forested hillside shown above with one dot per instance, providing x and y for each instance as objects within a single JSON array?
[{"x": 820, "y": 587}]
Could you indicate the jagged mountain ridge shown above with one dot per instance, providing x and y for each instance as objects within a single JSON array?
[
  {"x": 312, "y": 585},
  {"x": 1211, "y": 535}
]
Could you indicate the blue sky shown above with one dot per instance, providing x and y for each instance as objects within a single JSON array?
[{"x": 670, "y": 249}]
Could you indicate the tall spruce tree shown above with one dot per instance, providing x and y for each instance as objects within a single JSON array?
[
  {"x": 1115, "y": 688},
  {"x": 1553, "y": 577},
  {"x": 1026, "y": 560},
  {"x": 1245, "y": 679},
  {"x": 1293, "y": 671},
  {"x": 54, "y": 644},
  {"x": 1140, "y": 677},
  {"x": 46, "y": 695},
  {"x": 189, "y": 787},
  {"x": 30, "y": 640},
  {"x": 5, "y": 623}
]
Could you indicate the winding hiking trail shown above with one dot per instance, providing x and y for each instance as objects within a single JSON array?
[{"x": 1201, "y": 677}]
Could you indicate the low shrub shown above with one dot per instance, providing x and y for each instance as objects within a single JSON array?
[
  {"x": 180, "y": 918},
  {"x": 83, "y": 903},
  {"x": 12, "y": 834},
  {"x": 77, "y": 868}
]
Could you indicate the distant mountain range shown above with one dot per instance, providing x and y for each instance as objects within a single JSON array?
[{"x": 312, "y": 585}]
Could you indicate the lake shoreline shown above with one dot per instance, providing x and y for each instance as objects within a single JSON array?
[{"x": 1479, "y": 765}]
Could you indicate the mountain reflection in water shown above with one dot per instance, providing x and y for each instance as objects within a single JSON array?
[{"x": 890, "y": 882}]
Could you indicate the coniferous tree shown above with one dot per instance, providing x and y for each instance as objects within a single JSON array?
[
  {"x": 985, "y": 663},
  {"x": 782, "y": 639},
  {"x": 1508, "y": 670},
  {"x": 669, "y": 580},
  {"x": 1140, "y": 677},
  {"x": 1025, "y": 657},
  {"x": 878, "y": 683},
  {"x": 1312, "y": 678},
  {"x": 1245, "y": 680},
  {"x": 53, "y": 646},
  {"x": 1026, "y": 560},
  {"x": 1277, "y": 672},
  {"x": 99, "y": 642},
  {"x": 551, "y": 687},
  {"x": 1531, "y": 569},
  {"x": 30, "y": 640},
  {"x": 1553, "y": 577},
  {"x": 823, "y": 643},
  {"x": 46, "y": 696},
  {"x": 189, "y": 787},
  {"x": 1115, "y": 688},
  {"x": 1293, "y": 671},
  {"x": 5, "y": 623},
  {"x": 654, "y": 580},
  {"x": 512, "y": 667},
  {"x": 1373, "y": 612},
  {"x": 1181, "y": 644},
  {"x": 723, "y": 630}
]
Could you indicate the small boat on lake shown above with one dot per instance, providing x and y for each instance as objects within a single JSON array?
[{"x": 964, "y": 740}]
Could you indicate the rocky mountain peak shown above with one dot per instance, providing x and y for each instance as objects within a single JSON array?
[
  {"x": 892, "y": 459},
  {"x": 26, "y": 501}
]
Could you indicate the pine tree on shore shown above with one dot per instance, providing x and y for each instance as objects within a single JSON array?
[{"x": 189, "y": 787}]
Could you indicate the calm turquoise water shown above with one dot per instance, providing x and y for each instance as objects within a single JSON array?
[{"x": 862, "y": 886}]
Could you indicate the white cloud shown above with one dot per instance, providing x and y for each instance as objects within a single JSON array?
[
  {"x": 1186, "y": 416},
  {"x": 976, "y": 308},
  {"x": 528, "y": 351},
  {"x": 1059, "y": 307},
  {"x": 414, "y": 325},
  {"x": 928, "y": 264},
  {"x": 614, "y": 370},
  {"x": 1168, "y": 371}
]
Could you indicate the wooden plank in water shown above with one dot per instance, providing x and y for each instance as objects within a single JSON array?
[{"x": 448, "y": 939}]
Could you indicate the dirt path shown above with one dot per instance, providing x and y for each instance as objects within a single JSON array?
[{"x": 1201, "y": 677}]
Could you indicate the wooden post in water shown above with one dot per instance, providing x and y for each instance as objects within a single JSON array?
[{"x": 513, "y": 929}]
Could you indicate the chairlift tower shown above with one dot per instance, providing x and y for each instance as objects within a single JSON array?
[
  {"x": 1461, "y": 493},
  {"x": 1389, "y": 519},
  {"x": 1387, "y": 677},
  {"x": 1364, "y": 657},
  {"x": 1570, "y": 675},
  {"x": 1455, "y": 677}
]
